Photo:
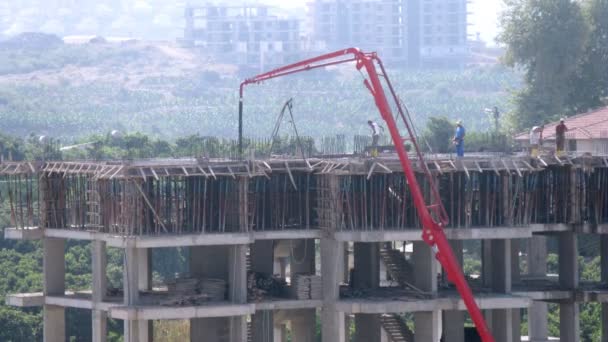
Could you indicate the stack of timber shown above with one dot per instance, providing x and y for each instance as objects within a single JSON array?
[
  {"x": 193, "y": 291},
  {"x": 306, "y": 286}
]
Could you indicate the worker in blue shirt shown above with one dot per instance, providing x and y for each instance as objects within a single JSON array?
[{"x": 458, "y": 140}]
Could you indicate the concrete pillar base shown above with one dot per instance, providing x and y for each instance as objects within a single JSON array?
[
  {"x": 54, "y": 323},
  {"x": 303, "y": 326},
  {"x": 502, "y": 325},
  {"x": 538, "y": 329},
  {"x": 100, "y": 326},
  {"x": 569, "y": 325},
  {"x": 427, "y": 326},
  {"x": 453, "y": 326}
]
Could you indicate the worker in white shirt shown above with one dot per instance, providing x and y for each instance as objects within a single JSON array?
[
  {"x": 375, "y": 136},
  {"x": 536, "y": 140}
]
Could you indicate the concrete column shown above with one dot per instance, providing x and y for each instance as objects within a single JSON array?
[
  {"x": 515, "y": 272},
  {"x": 453, "y": 321},
  {"x": 515, "y": 278},
  {"x": 537, "y": 267},
  {"x": 568, "y": 262},
  {"x": 538, "y": 329},
  {"x": 568, "y": 278},
  {"x": 54, "y": 323},
  {"x": 262, "y": 261},
  {"x": 144, "y": 283},
  {"x": 425, "y": 267},
  {"x": 569, "y": 329},
  {"x": 332, "y": 321},
  {"x": 303, "y": 326},
  {"x": 367, "y": 328},
  {"x": 100, "y": 325},
  {"x": 486, "y": 263},
  {"x": 604, "y": 266},
  {"x": 537, "y": 256},
  {"x": 237, "y": 290},
  {"x": 502, "y": 323},
  {"x": 134, "y": 331},
  {"x": 144, "y": 278},
  {"x": 53, "y": 264},
  {"x": 99, "y": 263},
  {"x": 427, "y": 325},
  {"x": 501, "y": 265},
  {"x": 367, "y": 265}
]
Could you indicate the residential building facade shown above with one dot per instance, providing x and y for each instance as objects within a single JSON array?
[
  {"x": 428, "y": 33},
  {"x": 443, "y": 32},
  {"x": 370, "y": 25},
  {"x": 243, "y": 35}
]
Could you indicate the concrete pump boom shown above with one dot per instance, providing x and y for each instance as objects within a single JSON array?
[{"x": 432, "y": 216}]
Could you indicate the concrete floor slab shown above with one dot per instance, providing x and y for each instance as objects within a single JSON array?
[
  {"x": 288, "y": 304},
  {"x": 180, "y": 312},
  {"x": 25, "y": 300},
  {"x": 28, "y": 233},
  {"x": 378, "y": 306}
]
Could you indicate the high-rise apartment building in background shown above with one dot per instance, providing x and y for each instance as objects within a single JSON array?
[
  {"x": 413, "y": 33},
  {"x": 406, "y": 33},
  {"x": 379, "y": 26},
  {"x": 245, "y": 35},
  {"x": 442, "y": 32}
]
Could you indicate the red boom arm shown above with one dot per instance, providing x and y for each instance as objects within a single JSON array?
[{"x": 433, "y": 217}]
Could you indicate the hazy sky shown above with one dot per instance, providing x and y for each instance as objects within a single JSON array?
[{"x": 485, "y": 15}]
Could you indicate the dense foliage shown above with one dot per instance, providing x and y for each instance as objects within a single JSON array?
[{"x": 562, "y": 47}]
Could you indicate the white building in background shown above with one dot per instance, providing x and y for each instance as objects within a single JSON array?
[
  {"x": 379, "y": 26},
  {"x": 244, "y": 35},
  {"x": 443, "y": 32},
  {"x": 428, "y": 33}
]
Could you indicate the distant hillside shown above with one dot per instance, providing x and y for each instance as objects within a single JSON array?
[{"x": 74, "y": 90}]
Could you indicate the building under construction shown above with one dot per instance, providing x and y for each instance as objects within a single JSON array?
[{"x": 278, "y": 246}]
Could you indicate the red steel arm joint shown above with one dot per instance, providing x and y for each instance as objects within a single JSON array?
[{"x": 433, "y": 217}]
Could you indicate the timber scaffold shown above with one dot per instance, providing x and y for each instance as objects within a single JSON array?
[
  {"x": 273, "y": 245},
  {"x": 187, "y": 196}
]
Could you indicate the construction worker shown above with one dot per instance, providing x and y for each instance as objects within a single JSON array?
[
  {"x": 458, "y": 139},
  {"x": 375, "y": 136},
  {"x": 560, "y": 137},
  {"x": 536, "y": 139}
]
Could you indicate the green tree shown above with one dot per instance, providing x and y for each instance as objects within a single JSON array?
[
  {"x": 591, "y": 83},
  {"x": 438, "y": 134},
  {"x": 546, "y": 38}
]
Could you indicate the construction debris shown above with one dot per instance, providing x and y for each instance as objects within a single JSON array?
[
  {"x": 194, "y": 291},
  {"x": 261, "y": 286}
]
